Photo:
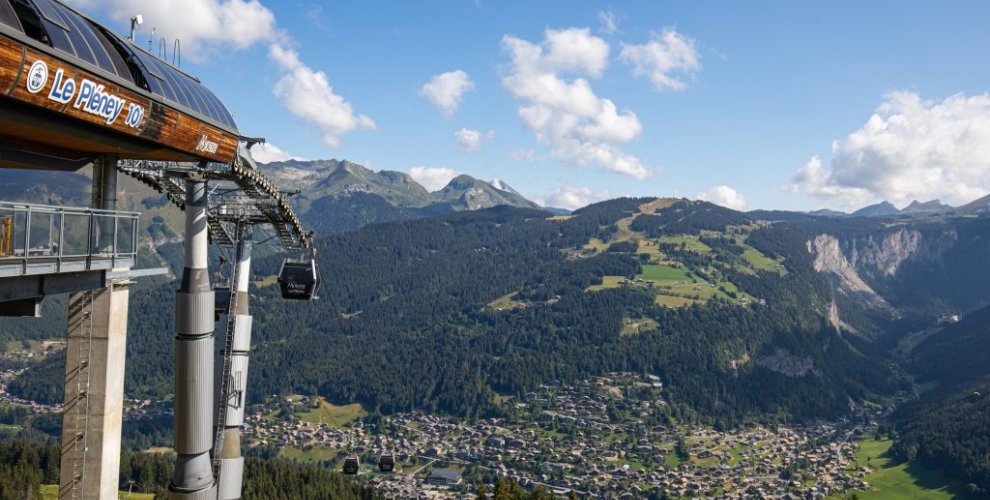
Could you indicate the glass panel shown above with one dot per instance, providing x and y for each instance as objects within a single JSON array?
[
  {"x": 103, "y": 226},
  {"x": 180, "y": 82},
  {"x": 9, "y": 17},
  {"x": 76, "y": 237},
  {"x": 51, "y": 13},
  {"x": 59, "y": 38},
  {"x": 83, "y": 51},
  {"x": 44, "y": 234},
  {"x": 125, "y": 235}
]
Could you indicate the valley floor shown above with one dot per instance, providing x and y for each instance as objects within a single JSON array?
[{"x": 600, "y": 438}]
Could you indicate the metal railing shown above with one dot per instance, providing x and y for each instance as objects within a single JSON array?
[{"x": 42, "y": 239}]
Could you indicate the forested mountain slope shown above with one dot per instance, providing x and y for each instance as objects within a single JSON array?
[
  {"x": 739, "y": 317},
  {"x": 445, "y": 313}
]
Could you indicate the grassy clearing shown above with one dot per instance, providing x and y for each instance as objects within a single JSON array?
[
  {"x": 561, "y": 217},
  {"x": 705, "y": 463},
  {"x": 505, "y": 303},
  {"x": 759, "y": 261},
  {"x": 660, "y": 273},
  {"x": 929, "y": 386},
  {"x": 691, "y": 243},
  {"x": 639, "y": 325},
  {"x": 596, "y": 245},
  {"x": 671, "y": 301},
  {"x": 890, "y": 480},
  {"x": 50, "y": 491},
  {"x": 266, "y": 281},
  {"x": 623, "y": 233},
  {"x": 313, "y": 455},
  {"x": 649, "y": 247},
  {"x": 159, "y": 450},
  {"x": 334, "y": 416},
  {"x": 653, "y": 206},
  {"x": 607, "y": 282}
]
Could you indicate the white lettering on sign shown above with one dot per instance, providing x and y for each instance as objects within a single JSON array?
[
  {"x": 93, "y": 98},
  {"x": 206, "y": 145}
]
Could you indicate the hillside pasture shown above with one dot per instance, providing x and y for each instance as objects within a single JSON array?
[{"x": 332, "y": 415}]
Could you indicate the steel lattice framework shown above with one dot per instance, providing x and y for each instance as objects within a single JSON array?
[{"x": 239, "y": 193}]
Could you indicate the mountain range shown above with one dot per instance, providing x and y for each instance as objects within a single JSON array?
[{"x": 340, "y": 195}]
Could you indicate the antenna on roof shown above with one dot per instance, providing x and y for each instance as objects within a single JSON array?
[
  {"x": 176, "y": 54},
  {"x": 136, "y": 22},
  {"x": 150, "y": 38}
]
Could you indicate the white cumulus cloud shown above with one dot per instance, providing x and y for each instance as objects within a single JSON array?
[
  {"x": 208, "y": 27},
  {"x": 307, "y": 93},
  {"x": 433, "y": 178},
  {"x": 910, "y": 148},
  {"x": 667, "y": 54},
  {"x": 571, "y": 197},
  {"x": 203, "y": 26},
  {"x": 724, "y": 196},
  {"x": 446, "y": 90},
  {"x": 267, "y": 152},
  {"x": 469, "y": 140},
  {"x": 562, "y": 109}
]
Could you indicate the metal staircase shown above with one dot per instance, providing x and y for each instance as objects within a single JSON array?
[{"x": 224, "y": 398}]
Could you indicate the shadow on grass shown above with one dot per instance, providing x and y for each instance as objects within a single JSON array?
[{"x": 931, "y": 479}]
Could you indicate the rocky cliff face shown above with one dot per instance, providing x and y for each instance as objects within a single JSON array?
[
  {"x": 830, "y": 257},
  {"x": 862, "y": 263}
]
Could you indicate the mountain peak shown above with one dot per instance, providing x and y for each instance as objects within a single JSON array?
[
  {"x": 882, "y": 209},
  {"x": 928, "y": 207},
  {"x": 471, "y": 194}
]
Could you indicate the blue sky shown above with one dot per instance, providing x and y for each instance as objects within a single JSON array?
[{"x": 792, "y": 105}]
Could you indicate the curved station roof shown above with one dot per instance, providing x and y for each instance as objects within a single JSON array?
[{"x": 135, "y": 104}]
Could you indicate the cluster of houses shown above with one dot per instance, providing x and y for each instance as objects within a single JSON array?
[
  {"x": 8, "y": 376},
  {"x": 599, "y": 438}
]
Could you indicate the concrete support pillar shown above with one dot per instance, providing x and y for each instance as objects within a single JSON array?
[
  {"x": 231, "y": 460},
  {"x": 194, "y": 325},
  {"x": 94, "y": 393},
  {"x": 94, "y": 374}
]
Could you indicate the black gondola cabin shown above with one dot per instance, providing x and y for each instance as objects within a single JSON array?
[
  {"x": 386, "y": 463},
  {"x": 298, "y": 279},
  {"x": 351, "y": 465}
]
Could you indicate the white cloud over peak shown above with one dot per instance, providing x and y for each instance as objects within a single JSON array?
[
  {"x": 562, "y": 109},
  {"x": 908, "y": 149},
  {"x": 266, "y": 152},
  {"x": 446, "y": 90},
  {"x": 663, "y": 59},
  {"x": 307, "y": 93},
  {"x": 433, "y": 178},
  {"x": 724, "y": 196},
  {"x": 470, "y": 140},
  {"x": 571, "y": 197}
]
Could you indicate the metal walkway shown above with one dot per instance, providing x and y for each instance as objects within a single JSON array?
[{"x": 47, "y": 240}]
